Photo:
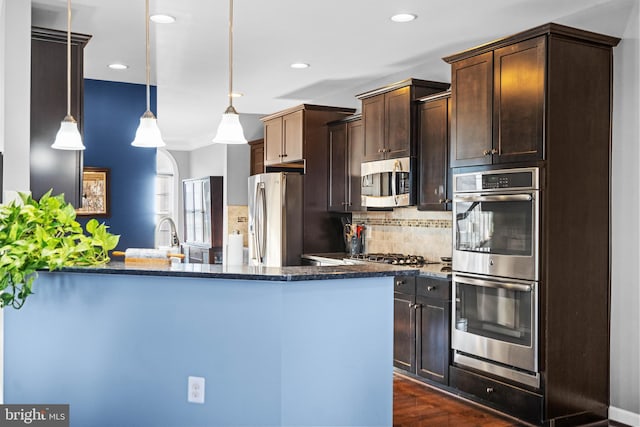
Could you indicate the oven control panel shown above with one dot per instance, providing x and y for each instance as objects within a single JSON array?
[{"x": 511, "y": 179}]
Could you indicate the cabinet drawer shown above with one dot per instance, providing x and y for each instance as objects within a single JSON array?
[
  {"x": 504, "y": 397},
  {"x": 433, "y": 288},
  {"x": 405, "y": 285}
]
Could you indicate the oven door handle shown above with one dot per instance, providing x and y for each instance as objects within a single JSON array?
[
  {"x": 494, "y": 198},
  {"x": 490, "y": 284}
]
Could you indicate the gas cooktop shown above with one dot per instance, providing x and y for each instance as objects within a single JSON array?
[{"x": 395, "y": 259}]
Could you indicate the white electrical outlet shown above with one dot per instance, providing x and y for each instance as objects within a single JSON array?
[{"x": 195, "y": 390}]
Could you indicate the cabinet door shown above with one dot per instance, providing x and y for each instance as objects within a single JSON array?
[
  {"x": 273, "y": 141},
  {"x": 292, "y": 127},
  {"x": 355, "y": 149},
  {"x": 404, "y": 332},
  {"x": 60, "y": 170},
  {"x": 518, "y": 101},
  {"x": 373, "y": 119},
  {"x": 398, "y": 123},
  {"x": 471, "y": 95},
  {"x": 257, "y": 157},
  {"x": 189, "y": 211},
  {"x": 337, "y": 167},
  {"x": 432, "y": 358},
  {"x": 433, "y": 156}
]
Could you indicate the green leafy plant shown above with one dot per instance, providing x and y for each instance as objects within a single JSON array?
[{"x": 44, "y": 234}]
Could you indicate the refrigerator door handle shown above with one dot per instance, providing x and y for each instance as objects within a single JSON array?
[
  {"x": 262, "y": 232},
  {"x": 254, "y": 222}
]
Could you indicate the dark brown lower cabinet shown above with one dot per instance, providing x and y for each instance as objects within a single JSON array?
[
  {"x": 422, "y": 327},
  {"x": 513, "y": 400}
]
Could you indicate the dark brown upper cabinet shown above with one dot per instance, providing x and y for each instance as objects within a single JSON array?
[
  {"x": 434, "y": 173},
  {"x": 288, "y": 134},
  {"x": 498, "y": 100},
  {"x": 346, "y": 151},
  {"x": 60, "y": 170},
  {"x": 256, "y": 162},
  {"x": 388, "y": 116}
]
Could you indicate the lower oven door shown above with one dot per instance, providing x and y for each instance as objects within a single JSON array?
[{"x": 496, "y": 321}]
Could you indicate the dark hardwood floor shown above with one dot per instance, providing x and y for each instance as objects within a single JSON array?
[{"x": 418, "y": 405}]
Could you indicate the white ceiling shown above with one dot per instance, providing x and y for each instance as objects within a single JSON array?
[{"x": 352, "y": 47}]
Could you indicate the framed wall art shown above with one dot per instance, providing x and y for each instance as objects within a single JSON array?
[{"x": 95, "y": 192}]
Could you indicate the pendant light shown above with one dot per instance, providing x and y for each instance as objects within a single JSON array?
[
  {"x": 148, "y": 134},
  {"x": 68, "y": 136},
  {"x": 230, "y": 130}
]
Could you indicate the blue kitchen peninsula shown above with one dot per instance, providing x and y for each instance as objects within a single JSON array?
[{"x": 291, "y": 346}]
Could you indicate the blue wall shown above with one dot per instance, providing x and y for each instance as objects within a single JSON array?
[{"x": 112, "y": 113}]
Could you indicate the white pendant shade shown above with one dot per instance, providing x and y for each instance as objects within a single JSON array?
[
  {"x": 148, "y": 134},
  {"x": 68, "y": 136},
  {"x": 230, "y": 130}
]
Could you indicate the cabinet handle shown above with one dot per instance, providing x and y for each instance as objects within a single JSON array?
[
  {"x": 494, "y": 151},
  {"x": 400, "y": 283},
  {"x": 284, "y": 155},
  {"x": 380, "y": 150},
  {"x": 442, "y": 201},
  {"x": 416, "y": 306},
  {"x": 447, "y": 200},
  {"x": 486, "y": 152},
  {"x": 431, "y": 288},
  {"x": 489, "y": 389}
]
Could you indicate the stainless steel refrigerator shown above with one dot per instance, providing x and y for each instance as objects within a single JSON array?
[{"x": 275, "y": 219}]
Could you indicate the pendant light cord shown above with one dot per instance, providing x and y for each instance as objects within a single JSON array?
[
  {"x": 148, "y": 56},
  {"x": 230, "y": 53},
  {"x": 68, "y": 58}
]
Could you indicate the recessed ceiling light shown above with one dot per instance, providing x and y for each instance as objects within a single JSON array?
[
  {"x": 236, "y": 94},
  {"x": 299, "y": 65},
  {"x": 403, "y": 17},
  {"x": 160, "y": 18},
  {"x": 118, "y": 66}
]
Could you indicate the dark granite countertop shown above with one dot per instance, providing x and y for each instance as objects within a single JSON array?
[
  {"x": 436, "y": 270},
  {"x": 244, "y": 272}
]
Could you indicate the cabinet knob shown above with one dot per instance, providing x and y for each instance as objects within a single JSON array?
[
  {"x": 441, "y": 201},
  {"x": 416, "y": 306},
  {"x": 284, "y": 155},
  {"x": 447, "y": 200},
  {"x": 400, "y": 282},
  {"x": 494, "y": 151},
  {"x": 431, "y": 288},
  {"x": 486, "y": 152},
  {"x": 489, "y": 389},
  {"x": 380, "y": 150}
]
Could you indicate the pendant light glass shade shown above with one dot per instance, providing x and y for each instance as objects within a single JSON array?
[
  {"x": 230, "y": 130},
  {"x": 148, "y": 134},
  {"x": 68, "y": 136}
]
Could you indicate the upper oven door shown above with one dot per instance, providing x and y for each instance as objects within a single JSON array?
[
  {"x": 496, "y": 234},
  {"x": 387, "y": 183}
]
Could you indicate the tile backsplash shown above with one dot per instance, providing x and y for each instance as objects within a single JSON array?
[
  {"x": 238, "y": 219},
  {"x": 407, "y": 231}
]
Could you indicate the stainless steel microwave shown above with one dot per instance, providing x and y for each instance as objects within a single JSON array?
[{"x": 388, "y": 183}]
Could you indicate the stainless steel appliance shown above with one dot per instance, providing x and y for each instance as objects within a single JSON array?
[
  {"x": 275, "y": 219},
  {"x": 496, "y": 223},
  {"x": 388, "y": 183},
  {"x": 495, "y": 281}
]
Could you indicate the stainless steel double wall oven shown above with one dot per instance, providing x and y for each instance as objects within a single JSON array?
[{"x": 495, "y": 282}]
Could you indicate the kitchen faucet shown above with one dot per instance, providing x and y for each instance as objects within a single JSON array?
[{"x": 175, "y": 241}]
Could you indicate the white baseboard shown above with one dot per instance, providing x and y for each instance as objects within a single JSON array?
[{"x": 623, "y": 416}]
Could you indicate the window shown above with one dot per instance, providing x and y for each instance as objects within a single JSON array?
[{"x": 166, "y": 195}]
